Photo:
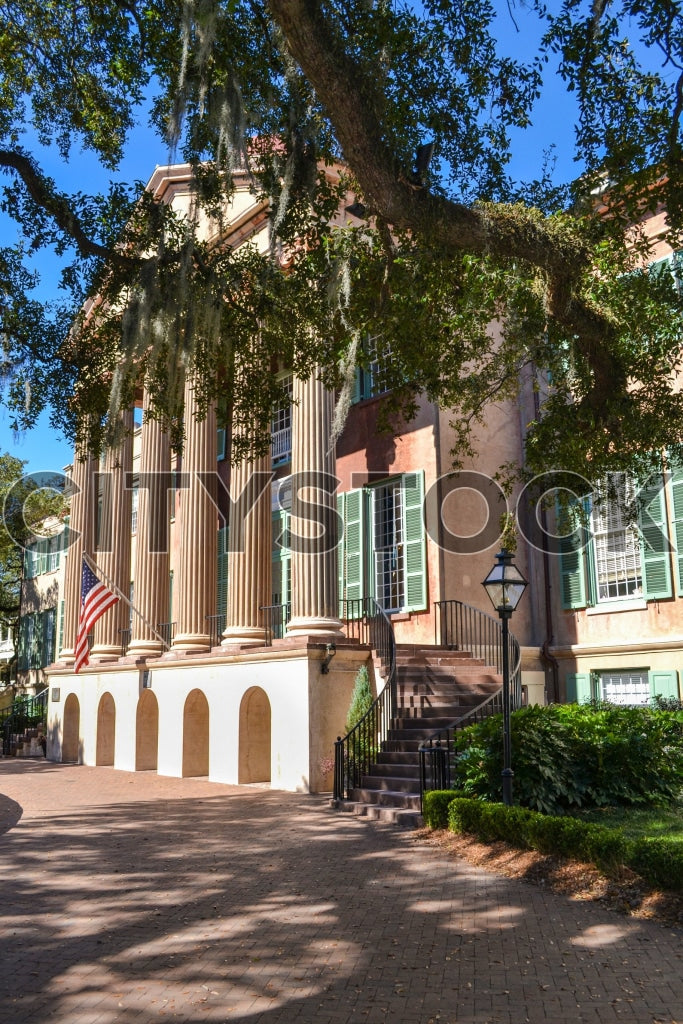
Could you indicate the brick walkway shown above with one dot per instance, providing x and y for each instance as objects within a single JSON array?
[{"x": 135, "y": 898}]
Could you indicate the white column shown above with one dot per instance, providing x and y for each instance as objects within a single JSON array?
[
  {"x": 151, "y": 579},
  {"x": 315, "y": 610},
  {"x": 196, "y": 585},
  {"x": 113, "y": 556},
  {"x": 249, "y": 552},
  {"x": 81, "y": 541}
]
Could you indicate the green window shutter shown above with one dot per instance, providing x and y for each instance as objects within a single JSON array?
[
  {"x": 222, "y": 572},
  {"x": 578, "y": 687},
  {"x": 664, "y": 684},
  {"x": 30, "y": 563},
  {"x": 42, "y": 547},
  {"x": 676, "y": 492},
  {"x": 340, "y": 550},
  {"x": 220, "y": 444},
  {"x": 415, "y": 543},
  {"x": 60, "y": 638},
  {"x": 654, "y": 541},
  {"x": 32, "y": 640},
  {"x": 353, "y": 575},
  {"x": 49, "y": 636},
  {"x": 572, "y": 570},
  {"x": 23, "y": 653},
  {"x": 282, "y": 557}
]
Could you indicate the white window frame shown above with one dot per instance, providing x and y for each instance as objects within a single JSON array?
[{"x": 617, "y": 557}]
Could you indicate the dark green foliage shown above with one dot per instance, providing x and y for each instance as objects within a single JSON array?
[
  {"x": 286, "y": 88},
  {"x": 362, "y": 743},
  {"x": 569, "y": 756},
  {"x": 435, "y": 804},
  {"x": 361, "y": 699},
  {"x": 658, "y": 861}
]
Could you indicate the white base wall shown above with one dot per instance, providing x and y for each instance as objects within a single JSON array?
[{"x": 307, "y": 711}]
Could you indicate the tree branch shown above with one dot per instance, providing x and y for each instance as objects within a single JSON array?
[
  {"x": 58, "y": 207},
  {"x": 499, "y": 231}
]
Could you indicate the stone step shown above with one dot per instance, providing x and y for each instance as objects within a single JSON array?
[
  {"x": 398, "y": 816},
  {"x": 390, "y": 783},
  {"x": 396, "y": 759},
  {"x": 409, "y": 726},
  {"x": 409, "y": 768},
  {"x": 463, "y": 675},
  {"x": 448, "y": 711},
  {"x": 387, "y": 798}
]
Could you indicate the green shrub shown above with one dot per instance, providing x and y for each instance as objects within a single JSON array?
[
  {"x": 361, "y": 699},
  {"x": 435, "y": 807},
  {"x": 658, "y": 861},
  {"x": 566, "y": 756}
]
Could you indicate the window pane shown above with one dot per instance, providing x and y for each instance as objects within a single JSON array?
[
  {"x": 388, "y": 546},
  {"x": 625, "y": 687},
  {"x": 618, "y": 568}
]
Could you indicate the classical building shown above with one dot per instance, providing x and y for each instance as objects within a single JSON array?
[{"x": 239, "y": 659}]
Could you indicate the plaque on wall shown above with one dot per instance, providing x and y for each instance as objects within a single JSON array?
[{"x": 56, "y": 695}]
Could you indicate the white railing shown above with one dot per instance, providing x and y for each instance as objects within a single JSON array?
[{"x": 281, "y": 445}]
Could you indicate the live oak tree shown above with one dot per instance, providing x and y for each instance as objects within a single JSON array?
[
  {"x": 406, "y": 113},
  {"x": 26, "y": 502}
]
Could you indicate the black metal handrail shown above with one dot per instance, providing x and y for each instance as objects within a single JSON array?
[
  {"x": 125, "y": 641},
  {"x": 166, "y": 631},
  {"x": 216, "y": 625},
  {"x": 354, "y": 753},
  {"x": 275, "y": 618},
  {"x": 24, "y": 713},
  {"x": 461, "y": 627}
]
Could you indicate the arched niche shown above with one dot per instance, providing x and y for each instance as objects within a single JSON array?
[{"x": 254, "y": 737}]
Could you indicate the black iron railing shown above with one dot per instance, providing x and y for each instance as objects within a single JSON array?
[
  {"x": 275, "y": 618},
  {"x": 125, "y": 641},
  {"x": 355, "y": 753},
  {"x": 216, "y": 625},
  {"x": 24, "y": 713},
  {"x": 166, "y": 631},
  {"x": 460, "y": 627}
]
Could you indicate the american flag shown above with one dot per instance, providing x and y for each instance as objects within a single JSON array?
[{"x": 95, "y": 600}]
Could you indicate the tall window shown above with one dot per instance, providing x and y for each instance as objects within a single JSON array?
[
  {"x": 388, "y": 545},
  {"x": 618, "y": 568},
  {"x": 134, "y": 507},
  {"x": 382, "y": 549},
  {"x": 281, "y": 426}
]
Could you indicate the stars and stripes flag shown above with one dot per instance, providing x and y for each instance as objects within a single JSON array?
[{"x": 95, "y": 600}]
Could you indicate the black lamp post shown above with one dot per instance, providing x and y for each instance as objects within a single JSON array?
[{"x": 505, "y": 586}]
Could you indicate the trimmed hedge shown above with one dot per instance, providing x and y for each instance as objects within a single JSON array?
[
  {"x": 435, "y": 807},
  {"x": 658, "y": 861}
]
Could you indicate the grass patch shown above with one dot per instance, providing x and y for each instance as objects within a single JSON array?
[{"x": 641, "y": 822}]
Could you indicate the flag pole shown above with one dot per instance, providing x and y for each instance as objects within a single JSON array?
[{"x": 110, "y": 583}]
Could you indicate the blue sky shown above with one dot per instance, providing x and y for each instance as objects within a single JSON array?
[{"x": 42, "y": 448}]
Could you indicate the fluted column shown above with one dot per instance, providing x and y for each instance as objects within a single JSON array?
[
  {"x": 151, "y": 580},
  {"x": 196, "y": 587},
  {"x": 81, "y": 540},
  {"x": 315, "y": 610},
  {"x": 249, "y": 552},
  {"x": 113, "y": 555}
]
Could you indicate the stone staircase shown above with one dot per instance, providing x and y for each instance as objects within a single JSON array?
[
  {"x": 24, "y": 744},
  {"x": 435, "y": 686}
]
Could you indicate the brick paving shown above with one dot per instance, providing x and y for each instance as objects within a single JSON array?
[{"x": 135, "y": 898}]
